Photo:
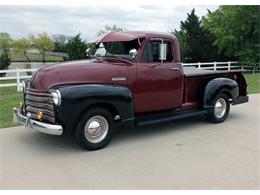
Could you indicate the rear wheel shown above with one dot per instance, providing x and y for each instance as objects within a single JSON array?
[
  {"x": 95, "y": 129},
  {"x": 220, "y": 110}
]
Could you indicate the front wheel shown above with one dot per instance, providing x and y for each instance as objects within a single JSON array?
[
  {"x": 220, "y": 110},
  {"x": 95, "y": 129}
]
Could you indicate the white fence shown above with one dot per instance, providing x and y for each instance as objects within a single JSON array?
[
  {"x": 61, "y": 54},
  {"x": 19, "y": 74}
]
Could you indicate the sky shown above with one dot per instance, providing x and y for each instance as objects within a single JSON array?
[{"x": 19, "y": 21}]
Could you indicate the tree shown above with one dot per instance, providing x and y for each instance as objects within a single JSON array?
[
  {"x": 183, "y": 44},
  {"x": 4, "y": 63},
  {"x": 76, "y": 48},
  {"x": 60, "y": 43},
  {"x": 5, "y": 42},
  {"x": 43, "y": 43},
  {"x": 22, "y": 45},
  {"x": 237, "y": 31},
  {"x": 108, "y": 28},
  {"x": 196, "y": 42}
]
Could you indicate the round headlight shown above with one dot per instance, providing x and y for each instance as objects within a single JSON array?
[
  {"x": 56, "y": 97},
  {"x": 22, "y": 87}
]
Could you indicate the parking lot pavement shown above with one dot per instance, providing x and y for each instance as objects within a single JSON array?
[{"x": 184, "y": 154}]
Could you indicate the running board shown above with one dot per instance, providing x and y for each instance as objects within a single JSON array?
[{"x": 156, "y": 118}]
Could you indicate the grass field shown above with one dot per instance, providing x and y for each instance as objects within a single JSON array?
[
  {"x": 34, "y": 57},
  {"x": 10, "y": 98},
  {"x": 253, "y": 82}
]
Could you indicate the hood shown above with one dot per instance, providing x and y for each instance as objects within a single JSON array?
[{"x": 79, "y": 72}]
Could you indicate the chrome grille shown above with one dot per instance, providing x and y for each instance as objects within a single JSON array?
[{"x": 38, "y": 101}]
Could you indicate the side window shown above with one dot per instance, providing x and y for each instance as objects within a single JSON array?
[{"x": 152, "y": 50}]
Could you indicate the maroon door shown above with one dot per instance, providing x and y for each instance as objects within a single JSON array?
[{"x": 158, "y": 85}]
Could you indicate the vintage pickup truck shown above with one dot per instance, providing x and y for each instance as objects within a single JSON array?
[{"x": 135, "y": 78}]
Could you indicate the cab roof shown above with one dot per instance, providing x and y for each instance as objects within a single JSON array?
[{"x": 131, "y": 35}]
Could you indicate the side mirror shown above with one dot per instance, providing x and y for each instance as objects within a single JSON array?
[
  {"x": 133, "y": 53},
  {"x": 163, "y": 50},
  {"x": 88, "y": 51}
]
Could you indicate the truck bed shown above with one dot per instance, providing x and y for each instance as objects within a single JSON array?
[{"x": 196, "y": 79}]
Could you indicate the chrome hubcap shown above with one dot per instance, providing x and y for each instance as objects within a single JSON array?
[
  {"x": 96, "y": 129},
  {"x": 220, "y": 108}
]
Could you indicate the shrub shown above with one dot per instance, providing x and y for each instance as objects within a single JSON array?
[{"x": 4, "y": 63}]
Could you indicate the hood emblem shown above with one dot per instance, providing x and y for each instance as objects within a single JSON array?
[{"x": 118, "y": 78}]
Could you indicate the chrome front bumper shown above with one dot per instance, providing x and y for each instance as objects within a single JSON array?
[{"x": 34, "y": 125}]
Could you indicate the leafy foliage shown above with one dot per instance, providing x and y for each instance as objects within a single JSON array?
[
  {"x": 22, "y": 45},
  {"x": 43, "y": 43},
  {"x": 108, "y": 28},
  {"x": 5, "y": 43},
  {"x": 4, "y": 62},
  {"x": 60, "y": 42},
  {"x": 76, "y": 48},
  {"x": 196, "y": 42},
  {"x": 237, "y": 31}
]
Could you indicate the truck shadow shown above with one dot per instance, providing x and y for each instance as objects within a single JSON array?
[
  {"x": 185, "y": 124},
  {"x": 144, "y": 132},
  {"x": 66, "y": 144}
]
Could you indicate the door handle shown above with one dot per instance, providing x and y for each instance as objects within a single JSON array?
[{"x": 174, "y": 69}]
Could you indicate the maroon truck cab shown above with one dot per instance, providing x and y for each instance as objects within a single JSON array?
[{"x": 136, "y": 78}]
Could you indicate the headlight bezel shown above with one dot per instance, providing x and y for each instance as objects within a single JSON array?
[{"x": 56, "y": 97}]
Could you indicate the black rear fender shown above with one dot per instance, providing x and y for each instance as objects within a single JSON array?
[{"x": 215, "y": 86}]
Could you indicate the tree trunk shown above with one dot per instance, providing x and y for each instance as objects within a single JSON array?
[
  {"x": 43, "y": 56},
  {"x": 27, "y": 65},
  {"x": 25, "y": 54}
]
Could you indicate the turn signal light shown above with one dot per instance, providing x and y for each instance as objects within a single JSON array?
[{"x": 39, "y": 115}]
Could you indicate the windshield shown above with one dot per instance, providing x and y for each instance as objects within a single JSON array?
[{"x": 116, "y": 49}]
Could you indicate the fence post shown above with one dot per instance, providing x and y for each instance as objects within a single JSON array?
[
  {"x": 18, "y": 78},
  {"x": 229, "y": 65},
  {"x": 199, "y": 65},
  {"x": 215, "y": 66}
]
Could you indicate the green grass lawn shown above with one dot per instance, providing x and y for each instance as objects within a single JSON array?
[
  {"x": 253, "y": 82},
  {"x": 34, "y": 57},
  {"x": 10, "y": 98}
]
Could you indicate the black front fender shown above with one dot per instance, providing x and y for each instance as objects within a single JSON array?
[
  {"x": 215, "y": 86},
  {"x": 77, "y": 98}
]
